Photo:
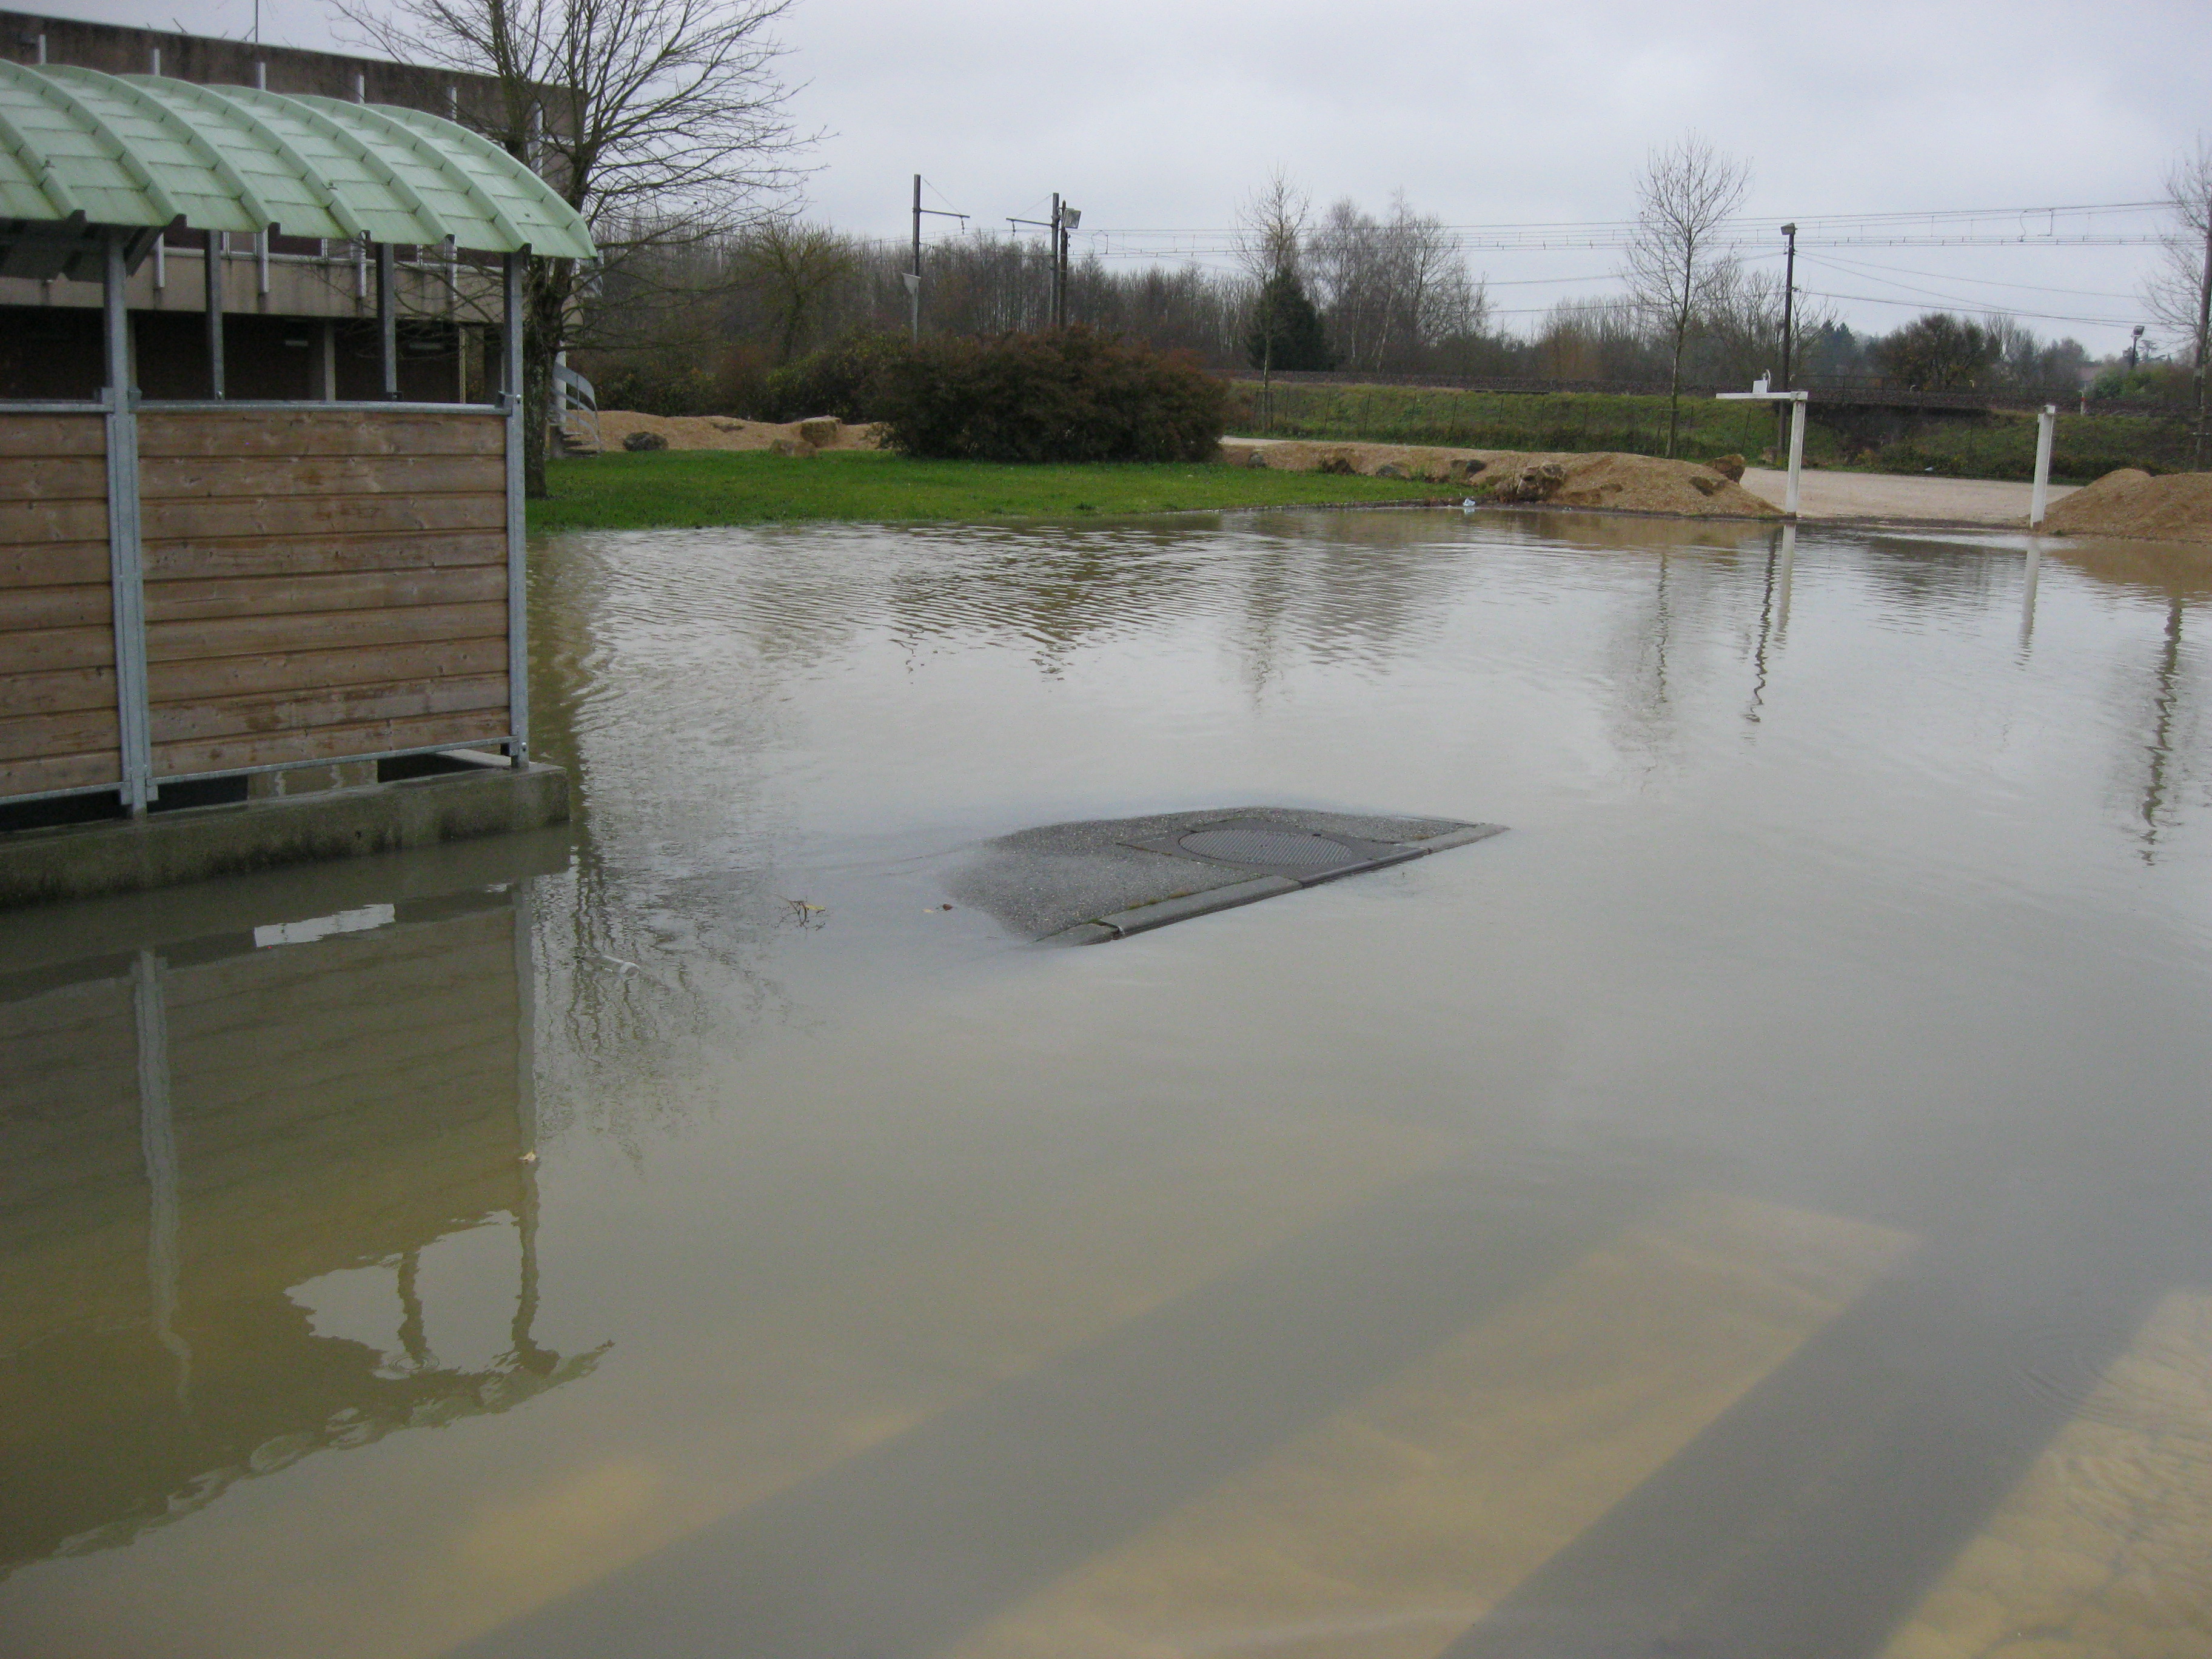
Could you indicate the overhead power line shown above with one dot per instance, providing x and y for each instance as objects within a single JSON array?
[{"x": 1921, "y": 304}]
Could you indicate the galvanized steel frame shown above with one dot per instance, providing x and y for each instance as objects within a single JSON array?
[
  {"x": 517, "y": 525},
  {"x": 126, "y": 564}
]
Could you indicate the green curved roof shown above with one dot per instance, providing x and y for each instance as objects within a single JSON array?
[{"x": 142, "y": 150}]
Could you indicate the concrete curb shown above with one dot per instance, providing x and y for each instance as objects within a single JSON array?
[{"x": 42, "y": 866}]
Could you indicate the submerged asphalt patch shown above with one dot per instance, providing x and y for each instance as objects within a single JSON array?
[{"x": 1105, "y": 879}]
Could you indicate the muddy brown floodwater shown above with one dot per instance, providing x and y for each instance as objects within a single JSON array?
[{"x": 1759, "y": 1206}]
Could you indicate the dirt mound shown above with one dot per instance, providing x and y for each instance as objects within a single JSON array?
[
  {"x": 1438, "y": 466},
  {"x": 1621, "y": 483},
  {"x": 2176, "y": 507},
  {"x": 726, "y": 432},
  {"x": 1644, "y": 483}
]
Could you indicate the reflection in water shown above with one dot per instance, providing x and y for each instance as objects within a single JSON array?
[
  {"x": 1749, "y": 1211},
  {"x": 2159, "y": 750},
  {"x": 205, "y": 1137}
]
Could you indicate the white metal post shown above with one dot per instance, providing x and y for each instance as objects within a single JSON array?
[
  {"x": 1797, "y": 450},
  {"x": 2047, "y": 428},
  {"x": 1759, "y": 392}
]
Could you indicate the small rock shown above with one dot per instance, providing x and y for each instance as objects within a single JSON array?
[
  {"x": 1257, "y": 460},
  {"x": 792, "y": 448},
  {"x": 1729, "y": 467},
  {"x": 1704, "y": 485},
  {"x": 1537, "y": 481},
  {"x": 639, "y": 442},
  {"x": 820, "y": 431},
  {"x": 1339, "y": 465},
  {"x": 1391, "y": 470}
]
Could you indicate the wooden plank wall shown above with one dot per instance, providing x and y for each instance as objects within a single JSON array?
[
  {"x": 322, "y": 583},
  {"x": 58, "y": 720}
]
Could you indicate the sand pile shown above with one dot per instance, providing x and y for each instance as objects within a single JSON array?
[
  {"x": 1638, "y": 483},
  {"x": 1439, "y": 465},
  {"x": 1622, "y": 483},
  {"x": 726, "y": 432},
  {"x": 2176, "y": 507}
]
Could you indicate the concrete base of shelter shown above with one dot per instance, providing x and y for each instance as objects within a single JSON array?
[{"x": 121, "y": 855}]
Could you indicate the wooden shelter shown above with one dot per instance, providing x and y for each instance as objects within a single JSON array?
[{"x": 200, "y": 590}]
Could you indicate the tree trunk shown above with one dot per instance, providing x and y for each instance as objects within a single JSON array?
[
  {"x": 544, "y": 317},
  {"x": 1675, "y": 391}
]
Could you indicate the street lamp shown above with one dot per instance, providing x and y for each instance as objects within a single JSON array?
[{"x": 1069, "y": 218}]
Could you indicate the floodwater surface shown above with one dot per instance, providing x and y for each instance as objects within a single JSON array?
[{"x": 1759, "y": 1205}]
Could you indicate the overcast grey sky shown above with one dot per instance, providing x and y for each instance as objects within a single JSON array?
[{"x": 1150, "y": 115}]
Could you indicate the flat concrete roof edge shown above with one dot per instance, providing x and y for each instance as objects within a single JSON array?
[
  {"x": 1143, "y": 918},
  {"x": 75, "y": 861}
]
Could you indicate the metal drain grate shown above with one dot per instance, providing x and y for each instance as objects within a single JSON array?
[{"x": 1261, "y": 844}]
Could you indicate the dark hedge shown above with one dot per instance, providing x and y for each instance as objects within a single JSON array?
[
  {"x": 1069, "y": 395},
  {"x": 844, "y": 379}
]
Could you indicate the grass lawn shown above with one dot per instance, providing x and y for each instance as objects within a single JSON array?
[{"x": 684, "y": 488}]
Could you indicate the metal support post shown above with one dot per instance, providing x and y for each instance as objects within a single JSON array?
[
  {"x": 518, "y": 569},
  {"x": 914, "y": 288},
  {"x": 217, "y": 249},
  {"x": 387, "y": 320},
  {"x": 2046, "y": 427},
  {"x": 126, "y": 558},
  {"x": 1761, "y": 392}
]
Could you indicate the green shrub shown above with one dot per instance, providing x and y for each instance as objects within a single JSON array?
[
  {"x": 1070, "y": 395},
  {"x": 650, "y": 390},
  {"x": 844, "y": 379}
]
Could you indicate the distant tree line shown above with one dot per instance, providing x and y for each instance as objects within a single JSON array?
[{"x": 746, "y": 321}]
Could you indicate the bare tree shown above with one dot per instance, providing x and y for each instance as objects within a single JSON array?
[
  {"x": 1390, "y": 288},
  {"x": 1271, "y": 227},
  {"x": 2179, "y": 291},
  {"x": 1270, "y": 242},
  {"x": 797, "y": 266},
  {"x": 659, "y": 121},
  {"x": 1685, "y": 194}
]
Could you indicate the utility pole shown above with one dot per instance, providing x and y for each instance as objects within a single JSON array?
[
  {"x": 1789, "y": 300},
  {"x": 1789, "y": 315},
  {"x": 1059, "y": 290},
  {"x": 2203, "y": 338}
]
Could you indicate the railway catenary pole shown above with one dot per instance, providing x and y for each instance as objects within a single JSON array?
[{"x": 914, "y": 288}]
